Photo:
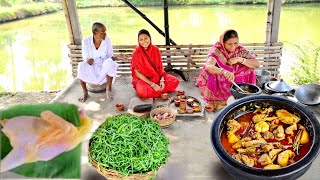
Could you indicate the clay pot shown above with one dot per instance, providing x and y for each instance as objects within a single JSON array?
[
  {"x": 177, "y": 102},
  {"x": 196, "y": 109},
  {"x": 183, "y": 104},
  {"x": 180, "y": 92},
  {"x": 190, "y": 101},
  {"x": 195, "y": 104},
  {"x": 189, "y": 111},
  {"x": 164, "y": 96},
  {"x": 181, "y": 111},
  {"x": 209, "y": 108},
  {"x": 120, "y": 107}
]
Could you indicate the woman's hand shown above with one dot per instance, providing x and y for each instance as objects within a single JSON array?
[
  {"x": 162, "y": 85},
  {"x": 155, "y": 87},
  {"x": 229, "y": 75},
  {"x": 235, "y": 60}
]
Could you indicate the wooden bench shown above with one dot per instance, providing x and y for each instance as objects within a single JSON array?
[{"x": 189, "y": 57}]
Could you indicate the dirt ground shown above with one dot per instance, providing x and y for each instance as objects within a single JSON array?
[{"x": 10, "y": 99}]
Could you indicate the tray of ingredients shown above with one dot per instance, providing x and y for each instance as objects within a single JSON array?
[{"x": 186, "y": 105}]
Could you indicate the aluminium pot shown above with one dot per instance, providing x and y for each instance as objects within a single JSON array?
[
  {"x": 278, "y": 86},
  {"x": 242, "y": 171},
  {"x": 262, "y": 77}
]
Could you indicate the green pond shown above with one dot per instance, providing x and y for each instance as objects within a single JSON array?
[{"x": 34, "y": 53}]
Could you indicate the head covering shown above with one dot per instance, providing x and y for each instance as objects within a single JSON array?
[{"x": 147, "y": 61}]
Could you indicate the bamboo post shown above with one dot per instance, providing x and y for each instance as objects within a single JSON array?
[
  {"x": 273, "y": 21},
  {"x": 68, "y": 21}
]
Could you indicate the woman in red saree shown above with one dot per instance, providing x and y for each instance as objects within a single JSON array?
[
  {"x": 227, "y": 61},
  {"x": 148, "y": 76}
]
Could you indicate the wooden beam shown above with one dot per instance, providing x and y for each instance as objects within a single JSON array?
[
  {"x": 67, "y": 16},
  {"x": 72, "y": 18},
  {"x": 273, "y": 21}
]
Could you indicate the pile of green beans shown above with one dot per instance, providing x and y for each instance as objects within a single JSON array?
[{"x": 128, "y": 144}]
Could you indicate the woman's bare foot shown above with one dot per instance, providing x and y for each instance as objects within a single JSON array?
[{"x": 85, "y": 97}]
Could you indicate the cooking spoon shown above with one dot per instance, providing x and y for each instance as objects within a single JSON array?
[{"x": 236, "y": 85}]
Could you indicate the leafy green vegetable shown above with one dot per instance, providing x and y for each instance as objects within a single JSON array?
[{"x": 128, "y": 144}]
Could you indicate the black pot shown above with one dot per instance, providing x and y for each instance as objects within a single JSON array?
[
  {"x": 308, "y": 94},
  {"x": 242, "y": 171},
  {"x": 237, "y": 94}
]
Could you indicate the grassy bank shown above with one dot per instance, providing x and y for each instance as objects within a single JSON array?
[{"x": 19, "y": 10}]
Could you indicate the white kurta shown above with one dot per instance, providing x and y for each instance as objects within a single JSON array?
[{"x": 103, "y": 64}]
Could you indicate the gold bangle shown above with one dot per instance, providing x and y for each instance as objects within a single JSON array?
[
  {"x": 243, "y": 59},
  {"x": 221, "y": 69},
  {"x": 225, "y": 73}
]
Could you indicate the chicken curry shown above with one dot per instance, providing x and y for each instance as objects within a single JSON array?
[{"x": 266, "y": 138}]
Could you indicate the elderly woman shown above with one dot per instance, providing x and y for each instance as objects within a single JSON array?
[
  {"x": 148, "y": 76},
  {"x": 227, "y": 61},
  {"x": 98, "y": 66}
]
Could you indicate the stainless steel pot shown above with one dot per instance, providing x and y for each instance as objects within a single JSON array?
[
  {"x": 262, "y": 76},
  {"x": 241, "y": 171},
  {"x": 273, "y": 87}
]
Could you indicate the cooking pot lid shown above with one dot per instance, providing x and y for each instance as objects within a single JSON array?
[{"x": 280, "y": 86}]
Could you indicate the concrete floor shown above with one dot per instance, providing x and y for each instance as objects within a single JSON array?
[{"x": 192, "y": 156}]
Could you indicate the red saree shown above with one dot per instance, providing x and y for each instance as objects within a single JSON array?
[
  {"x": 149, "y": 63},
  {"x": 215, "y": 87}
]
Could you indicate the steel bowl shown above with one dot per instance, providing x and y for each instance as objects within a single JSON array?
[
  {"x": 308, "y": 94},
  {"x": 242, "y": 171}
]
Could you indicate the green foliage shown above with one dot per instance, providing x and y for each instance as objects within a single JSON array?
[
  {"x": 27, "y": 10},
  {"x": 307, "y": 65}
]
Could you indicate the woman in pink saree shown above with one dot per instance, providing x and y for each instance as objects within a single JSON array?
[{"x": 227, "y": 61}]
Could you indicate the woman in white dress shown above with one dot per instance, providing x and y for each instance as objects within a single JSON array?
[{"x": 97, "y": 66}]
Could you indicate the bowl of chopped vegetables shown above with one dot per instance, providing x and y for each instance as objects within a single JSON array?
[
  {"x": 128, "y": 147},
  {"x": 165, "y": 116}
]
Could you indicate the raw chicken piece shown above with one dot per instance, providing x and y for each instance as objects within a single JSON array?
[{"x": 40, "y": 138}]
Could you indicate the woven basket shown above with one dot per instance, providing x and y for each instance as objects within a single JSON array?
[
  {"x": 167, "y": 122},
  {"x": 110, "y": 174},
  {"x": 115, "y": 175}
]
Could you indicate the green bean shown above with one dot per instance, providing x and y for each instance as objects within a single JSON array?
[{"x": 128, "y": 144}]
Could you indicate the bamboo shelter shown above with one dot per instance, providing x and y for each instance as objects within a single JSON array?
[{"x": 181, "y": 57}]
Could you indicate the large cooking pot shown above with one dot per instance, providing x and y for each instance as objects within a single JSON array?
[
  {"x": 308, "y": 94},
  {"x": 242, "y": 171}
]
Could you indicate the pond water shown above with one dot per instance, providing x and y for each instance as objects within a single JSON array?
[{"x": 34, "y": 53}]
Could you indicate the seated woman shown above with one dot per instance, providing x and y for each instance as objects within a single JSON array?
[
  {"x": 227, "y": 61},
  {"x": 148, "y": 76}
]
